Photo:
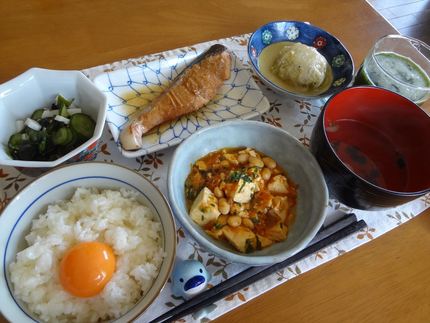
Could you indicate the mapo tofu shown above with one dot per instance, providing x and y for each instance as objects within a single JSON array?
[{"x": 242, "y": 196}]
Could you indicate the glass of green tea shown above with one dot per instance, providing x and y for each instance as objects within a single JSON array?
[{"x": 400, "y": 64}]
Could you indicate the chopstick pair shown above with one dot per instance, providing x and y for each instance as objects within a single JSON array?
[{"x": 325, "y": 237}]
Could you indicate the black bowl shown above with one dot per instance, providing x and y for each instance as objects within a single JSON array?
[{"x": 373, "y": 148}]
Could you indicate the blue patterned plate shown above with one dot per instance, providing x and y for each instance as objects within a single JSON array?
[
  {"x": 133, "y": 88},
  {"x": 296, "y": 31}
]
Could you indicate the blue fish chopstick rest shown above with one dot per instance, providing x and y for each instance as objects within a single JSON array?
[{"x": 189, "y": 278}]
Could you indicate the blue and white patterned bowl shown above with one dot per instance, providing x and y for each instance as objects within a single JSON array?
[{"x": 296, "y": 31}]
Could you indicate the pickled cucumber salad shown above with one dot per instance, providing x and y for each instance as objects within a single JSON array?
[
  {"x": 407, "y": 77},
  {"x": 50, "y": 133}
]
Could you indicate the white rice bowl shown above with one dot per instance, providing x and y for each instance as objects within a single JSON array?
[{"x": 114, "y": 217}]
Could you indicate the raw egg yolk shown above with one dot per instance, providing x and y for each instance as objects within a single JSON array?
[{"x": 86, "y": 268}]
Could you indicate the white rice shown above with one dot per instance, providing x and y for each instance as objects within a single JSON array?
[{"x": 113, "y": 217}]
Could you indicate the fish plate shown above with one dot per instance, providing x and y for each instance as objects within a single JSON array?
[{"x": 130, "y": 89}]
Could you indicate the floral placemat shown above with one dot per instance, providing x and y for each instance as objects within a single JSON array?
[{"x": 298, "y": 118}]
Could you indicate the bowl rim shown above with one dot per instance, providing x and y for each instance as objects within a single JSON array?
[
  {"x": 38, "y": 72},
  {"x": 292, "y": 94},
  {"x": 379, "y": 188},
  {"x": 170, "y": 219},
  {"x": 182, "y": 216}
]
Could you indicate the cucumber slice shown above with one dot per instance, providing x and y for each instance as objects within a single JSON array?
[
  {"x": 37, "y": 114},
  {"x": 15, "y": 141},
  {"x": 62, "y": 136},
  {"x": 74, "y": 139},
  {"x": 83, "y": 125},
  {"x": 35, "y": 136}
]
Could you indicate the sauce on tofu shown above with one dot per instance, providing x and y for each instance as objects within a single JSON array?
[{"x": 241, "y": 196}]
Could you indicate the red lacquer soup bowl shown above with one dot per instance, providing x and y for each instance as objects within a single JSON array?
[{"x": 373, "y": 147}]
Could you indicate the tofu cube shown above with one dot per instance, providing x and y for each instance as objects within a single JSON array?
[
  {"x": 205, "y": 207},
  {"x": 231, "y": 158},
  {"x": 278, "y": 184},
  {"x": 263, "y": 242},
  {"x": 280, "y": 207},
  {"x": 217, "y": 233},
  {"x": 242, "y": 238},
  {"x": 278, "y": 232},
  {"x": 244, "y": 191}
]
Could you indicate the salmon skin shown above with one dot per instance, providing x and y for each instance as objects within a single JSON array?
[{"x": 192, "y": 89}]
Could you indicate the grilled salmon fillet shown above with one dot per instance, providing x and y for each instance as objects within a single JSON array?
[{"x": 192, "y": 89}]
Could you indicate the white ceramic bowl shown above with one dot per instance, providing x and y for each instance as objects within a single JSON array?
[
  {"x": 59, "y": 184},
  {"x": 37, "y": 88},
  {"x": 288, "y": 152}
]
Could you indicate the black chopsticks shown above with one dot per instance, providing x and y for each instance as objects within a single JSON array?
[{"x": 325, "y": 237}]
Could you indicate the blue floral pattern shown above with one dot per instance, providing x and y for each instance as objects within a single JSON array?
[
  {"x": 338, "y": 60},
  {"x": 292, "y": 32},
  {"x": 266, "y": 37},
  {"x": 339, "y": 82}
]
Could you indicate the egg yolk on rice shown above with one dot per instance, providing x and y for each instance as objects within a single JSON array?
[{"x": 86, "y": 268}]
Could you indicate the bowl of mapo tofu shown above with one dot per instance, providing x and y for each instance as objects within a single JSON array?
[
  {"x": 247, "y": 191},
  {"x": 241, "y": 196}
]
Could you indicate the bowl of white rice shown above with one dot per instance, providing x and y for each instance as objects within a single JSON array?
[{"x": 81, "y": 206}]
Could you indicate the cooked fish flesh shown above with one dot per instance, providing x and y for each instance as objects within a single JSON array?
[{"x": 192, "y": 89}]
